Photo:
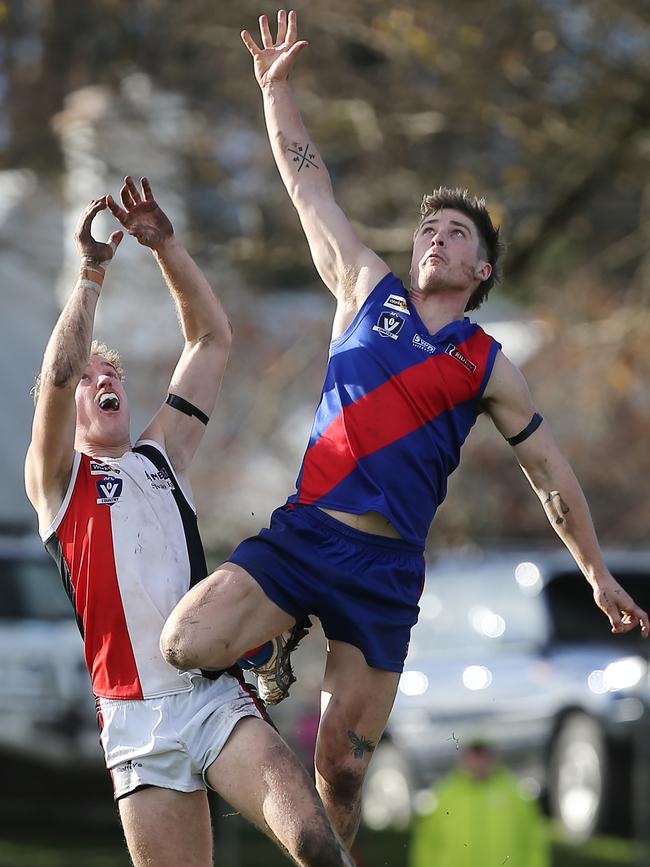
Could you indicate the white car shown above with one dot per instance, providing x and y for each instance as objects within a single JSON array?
[
  {"x": 511, "y": 648},
  {"x": 47, "y": 711}
]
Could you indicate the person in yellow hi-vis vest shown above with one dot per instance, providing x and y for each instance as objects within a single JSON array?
[{"x": 481, "y": 819}]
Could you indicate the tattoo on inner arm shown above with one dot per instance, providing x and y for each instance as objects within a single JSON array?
[
  {"x": 302, "y": 155},
  {"x": 557, "y": 506},
  {"x": 360, "y": 745}
]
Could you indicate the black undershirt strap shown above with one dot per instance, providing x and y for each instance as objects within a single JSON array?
[
  {"x": 530, "y": 428},
  {"x": 185, "y": 406}
]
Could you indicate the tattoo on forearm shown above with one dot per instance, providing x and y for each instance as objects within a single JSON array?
[
  {"x": 360, "y": 745},
  {"x": 557, "y": 506},
  {"x": 302, "y": 155}
]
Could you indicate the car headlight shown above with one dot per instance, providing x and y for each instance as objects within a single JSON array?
[{"x": 622, "y": 674}]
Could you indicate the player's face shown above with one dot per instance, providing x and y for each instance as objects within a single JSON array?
[
  {"x": 102, "y": 406},
  {"x": 447, "y": 254}
]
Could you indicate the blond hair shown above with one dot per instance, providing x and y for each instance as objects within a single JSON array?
[{"x": 112, "y": 356}]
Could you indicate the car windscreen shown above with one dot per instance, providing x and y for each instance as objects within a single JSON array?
[
  {"x": 32, "y": 588},
  {"x": 477, "y": 610},
  {"x": 577, "y": 620}
]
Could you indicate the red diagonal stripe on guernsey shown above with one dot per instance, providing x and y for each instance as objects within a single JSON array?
[
  {"x": 402, "y": 404},
  {"x": 107, "y": 644}
]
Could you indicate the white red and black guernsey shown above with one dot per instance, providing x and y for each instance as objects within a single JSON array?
[{"x": 127, "y": 546}]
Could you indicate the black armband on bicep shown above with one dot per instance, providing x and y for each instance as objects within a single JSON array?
[
  {"x": 530, "y": 428},
  {"x": 185, "y": 406}
]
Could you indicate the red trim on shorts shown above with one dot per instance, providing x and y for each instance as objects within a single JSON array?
[{"x": 250, "y": 690}]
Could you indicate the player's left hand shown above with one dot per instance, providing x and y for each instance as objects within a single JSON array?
[
  {"x": 622, "y": 611},
  {"x": 141, "y": 215}
]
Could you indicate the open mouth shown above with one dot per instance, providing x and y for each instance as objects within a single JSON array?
[{"x": 109, "y": 401}]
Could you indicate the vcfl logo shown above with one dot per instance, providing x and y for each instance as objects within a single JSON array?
[
  {"x": 389, "y": 324},
  {"x": 108, "y": 490}
]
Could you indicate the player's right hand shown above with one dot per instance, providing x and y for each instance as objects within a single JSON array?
[
  {"x": 88, "y": 247},
  {"x": 273, "y": 60}
]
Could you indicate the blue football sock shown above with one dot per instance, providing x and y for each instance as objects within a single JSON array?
[{"x": 261, "y": 655}]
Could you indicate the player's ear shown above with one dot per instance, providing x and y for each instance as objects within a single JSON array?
[{"x": 483, "y": 270}]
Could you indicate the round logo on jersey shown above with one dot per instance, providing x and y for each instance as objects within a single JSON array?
[{"x": 389, "y": 324}]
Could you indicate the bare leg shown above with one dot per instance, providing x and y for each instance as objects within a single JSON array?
[
  {"x": 165, "y": 828},
  {"x": 219, "y": 619},
  {"x": 259, "y": 776},
  {"x": 350, "y": 729}
]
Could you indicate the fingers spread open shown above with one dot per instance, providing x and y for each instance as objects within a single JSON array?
[
  {"x": 267, "y": 39},
  {"x": 115, "y": 209},
  {"x": 292, "y": 32},
  {"x": 127, "y": 198},
  {"x": 282, "y": 26},
  {"x": 295, "y": 50},
  {"x": 135, "y": 194},
  {"x": 146, "y": 190},
  {"x": 250, "y": 43}
]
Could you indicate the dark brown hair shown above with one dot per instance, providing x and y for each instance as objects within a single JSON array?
[{"x": 491, "y": 247}]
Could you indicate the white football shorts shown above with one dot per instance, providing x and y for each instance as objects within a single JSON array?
[{"x": 171, "y": 741}]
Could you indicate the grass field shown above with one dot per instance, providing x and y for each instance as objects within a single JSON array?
[{"x": 241, "y": 846}]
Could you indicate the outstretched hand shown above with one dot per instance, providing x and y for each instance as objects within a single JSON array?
[
  {"x": 273, "y": 61},
  {"x": 88, "y": 247},
  {"x": 141, "y": 215},
  {"x": 622, "y": 611}
]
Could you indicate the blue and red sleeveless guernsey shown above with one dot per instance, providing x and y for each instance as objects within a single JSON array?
[{"x": 396, "y": 407}]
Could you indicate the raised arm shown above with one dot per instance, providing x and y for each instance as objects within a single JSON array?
[
  {"x": 347, "y": 267},
  {"x": 508, "y": 402},
  {"x": 179, "y": 425},
  {"x": 51, "y": 451}
]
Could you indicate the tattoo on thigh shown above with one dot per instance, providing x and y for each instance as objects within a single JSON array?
[
  {"x": 302, "y": 155},
  {"x": 557, "y": 506},
  {"x": 360, "y": 745}
]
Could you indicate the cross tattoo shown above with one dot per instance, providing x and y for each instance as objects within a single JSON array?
[{"x": 302, "y": 155}]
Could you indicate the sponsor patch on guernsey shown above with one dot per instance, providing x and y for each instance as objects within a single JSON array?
[
  {"x": 97, "y": 468},
  {"x": 421, "y": 343},
  {"x": 397, "y": 302},
  {"x": 458, "y": 355}
]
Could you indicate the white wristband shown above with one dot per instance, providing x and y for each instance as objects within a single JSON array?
[{"x": 89, "y": 284}]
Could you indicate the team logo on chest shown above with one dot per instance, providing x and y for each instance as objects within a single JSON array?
[
  {"x": 108, "y": 490},
  {"x": 389, "y": 324}
]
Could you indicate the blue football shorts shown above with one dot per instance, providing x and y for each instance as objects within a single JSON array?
[{"x": 363, "y": 588}]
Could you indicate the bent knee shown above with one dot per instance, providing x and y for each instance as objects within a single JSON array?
[
  {"x": 176, "y": 650},
  {"x": 185, "y": 646},
  {"x": 343, "y": 776}
]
